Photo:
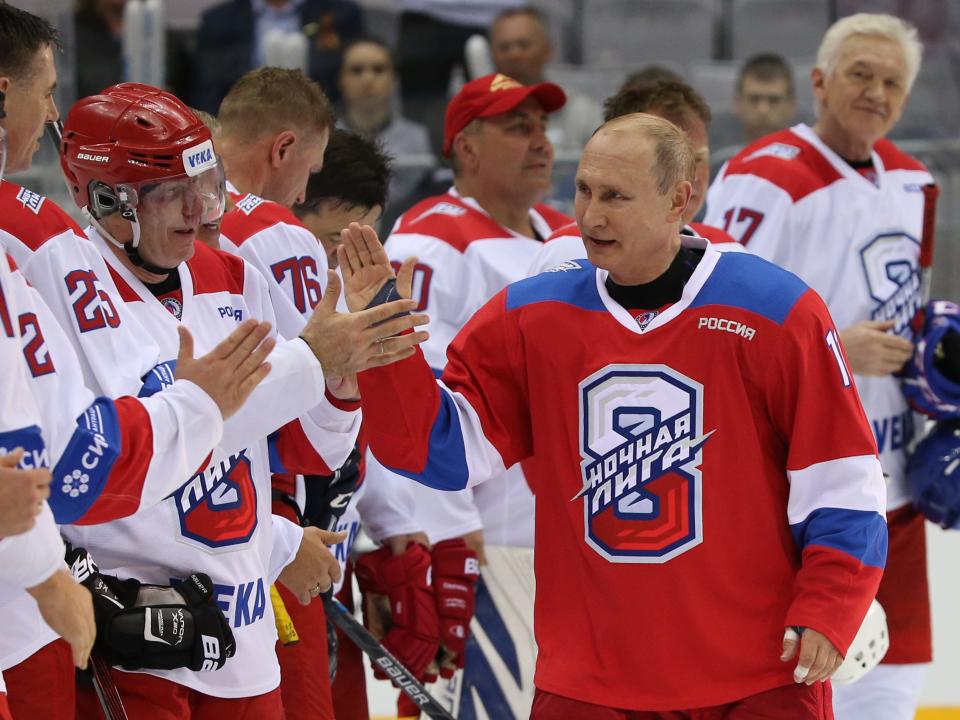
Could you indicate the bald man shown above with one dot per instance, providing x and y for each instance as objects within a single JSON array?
[{"x": 678, "y": 564}]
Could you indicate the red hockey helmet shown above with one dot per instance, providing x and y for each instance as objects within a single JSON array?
[{"x": 132, "y": 136}]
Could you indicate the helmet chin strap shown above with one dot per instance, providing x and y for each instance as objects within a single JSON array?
[{"x": 130, "y": 247}]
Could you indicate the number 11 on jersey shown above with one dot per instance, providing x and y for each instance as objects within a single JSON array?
[{"x": 833, "y": 342}]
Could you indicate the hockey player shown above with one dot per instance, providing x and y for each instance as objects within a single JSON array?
[
  {"x": 175, "y": 430},
  {"x": 470, "y": 242},
  {"x": 672, "y": 554},
  {"x": 144, "y": 218},
  {"x": 841, "y": 206},
  {"x": 274, "y": 129},
  {"x": 673, "y": 100}
]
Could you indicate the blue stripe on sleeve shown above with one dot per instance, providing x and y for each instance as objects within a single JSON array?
[
  {"x": 161, "y": 376},
  {"x": 859, "y": 533},
  {"x": 31, "y": 440},
  {"x": 81, "y": 473},
  {"x": 276, "y": 464},
  {"x": 446, "y": 467}
]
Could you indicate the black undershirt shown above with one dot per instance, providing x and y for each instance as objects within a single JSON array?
[
  {"x": 168, "y": 285},
  {"x": 664, "y": 290}
]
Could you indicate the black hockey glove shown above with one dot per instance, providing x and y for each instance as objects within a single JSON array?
[
  {"x": 327, "y": 496},
  {"x": 155, "y": 626}
]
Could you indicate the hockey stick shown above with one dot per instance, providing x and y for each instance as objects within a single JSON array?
[
  {"x": 930, "y": 194},
  {"x": 397, "y": 673},
  {"x": 106, "y": 689}
]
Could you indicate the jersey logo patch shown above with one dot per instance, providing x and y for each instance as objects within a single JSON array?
[
  {"x": 218, "y": 507},
  {"x": 642, "y": 431},
  {"x": 443, "y": 208},
  {"x": 779, "y": 150},
  {"x": 249, "y": 203},
  {"x": 892, "y": 272},
  {"x": 564, "y": 266},
  {"x": 645, "y": 318},
  {"x": 31, "y": 200}
]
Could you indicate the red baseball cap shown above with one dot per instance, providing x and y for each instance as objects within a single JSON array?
[{"x": 494, "y": 94}]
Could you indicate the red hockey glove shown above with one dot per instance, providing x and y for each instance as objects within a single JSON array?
[
  {"x": 455, "y": 573},
  {"x": 411, "y": 631}
]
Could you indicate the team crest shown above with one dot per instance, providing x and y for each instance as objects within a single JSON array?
[
  {"x": 218, "y": 506},
  {"x": 645, "y": 318},
  {"x": 642, "y": 431},
  {"x": 892, "y": 272}
]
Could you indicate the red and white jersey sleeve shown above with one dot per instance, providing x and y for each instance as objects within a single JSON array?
[
  {"x": 113, "y": 350},
  {"x": 272, "y": 239},
  {"x": 852, "y": 236}
]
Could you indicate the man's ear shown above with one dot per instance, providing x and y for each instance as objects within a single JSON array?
[
  {"x": 818, "y": 80},
  {"x": 465, "y": 150},
  {"x": 682, "y": 192},
  {"x": 282, "y": 146}
]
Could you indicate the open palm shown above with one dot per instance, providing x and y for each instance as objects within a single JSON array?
[{"x": 366, "y": 267}]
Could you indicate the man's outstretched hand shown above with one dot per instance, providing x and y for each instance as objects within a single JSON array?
[
  {"x": 347, "y": 343},
  {"x": 229, "y": 372},
  {"x": 366, "y": 267}
]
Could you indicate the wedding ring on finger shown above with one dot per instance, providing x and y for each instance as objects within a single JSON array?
[
  {"x": 381, "y": 347},
  {"x": 316, "y": 590}
]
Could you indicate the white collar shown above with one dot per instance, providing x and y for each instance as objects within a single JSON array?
[{"x": 690, "y": 290}]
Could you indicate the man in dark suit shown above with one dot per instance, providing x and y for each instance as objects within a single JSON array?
[{"x": 231, "y": 36}]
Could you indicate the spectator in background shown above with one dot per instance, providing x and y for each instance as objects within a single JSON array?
[
  {"x": 98, "y": 26},
  {"x": 765, "y": 101},
  {"x": 231, "y": 41},
  {"x": 520, "y": 43},
  {"x": 430, "y": 45},
  {"x": 368, "y": 83}
]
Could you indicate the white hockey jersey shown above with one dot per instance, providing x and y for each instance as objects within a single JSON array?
[
  {"x": 465, "y": 257},
  {"x": 109, "y": 458},
  {"x": 854, "y": 239},
  {"x": 219, "y": 521},
  {"x": 272, "y": 239}
]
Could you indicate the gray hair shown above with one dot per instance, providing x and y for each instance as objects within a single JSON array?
[{"x": 886, "y": 26}]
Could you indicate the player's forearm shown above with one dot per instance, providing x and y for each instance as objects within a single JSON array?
[
  {"x": 294, "y": 386},
  {"x": 406, "y": 421},
  {"x": 842, "y": 564}
]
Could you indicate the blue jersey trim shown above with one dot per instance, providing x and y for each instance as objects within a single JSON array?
[
  {"x": 81, "y": 473},
  {"x": 276, "y": 463},
  {"x": 575, "y": 286},
  {"x": 751, "y": 283},
  {"x": 160, "y": 377},
  {"x": 859, "y": 533},
  {"x": 29, "y": 438},
  {"x": 446, "y": 467}
]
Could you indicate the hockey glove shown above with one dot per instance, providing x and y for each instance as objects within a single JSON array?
[
  {"x": 327, "y": 496},
  {"x": 455, "y": 574},
  {"x": 412, "y": 630},
  {"x": 155, "y": 626}
]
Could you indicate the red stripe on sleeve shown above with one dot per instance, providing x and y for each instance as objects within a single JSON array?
[{"x": 121, "y": 496}]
